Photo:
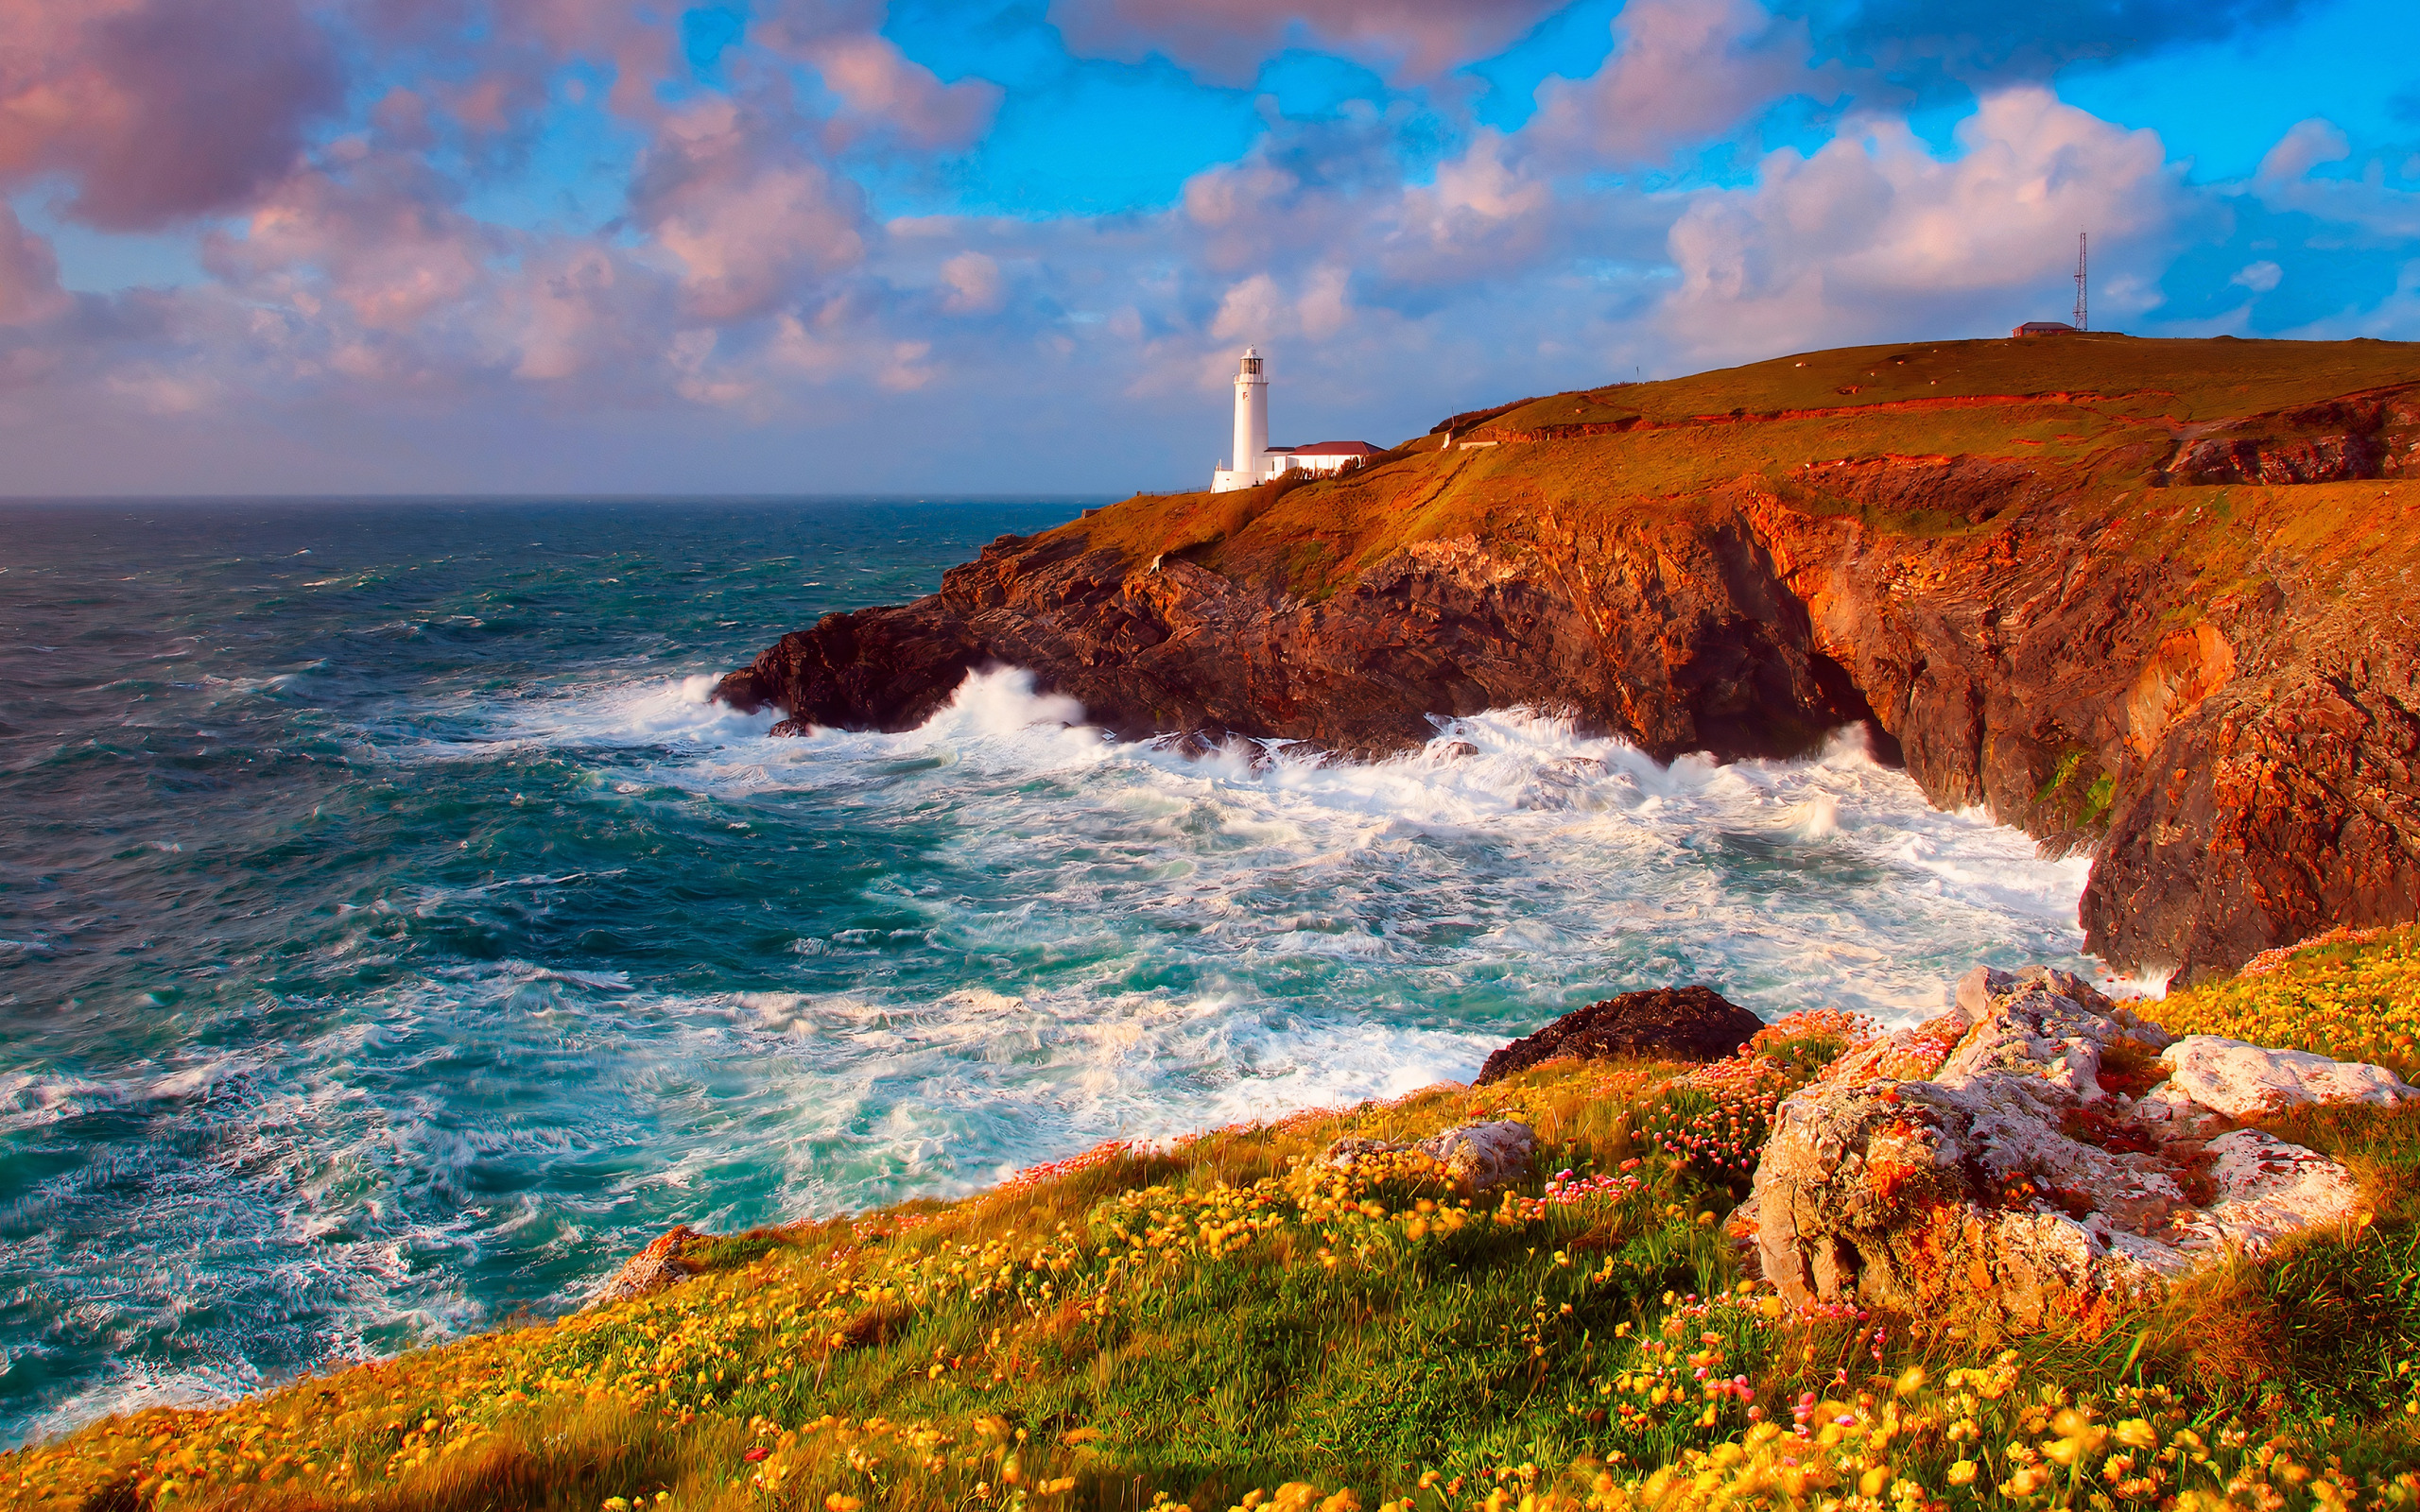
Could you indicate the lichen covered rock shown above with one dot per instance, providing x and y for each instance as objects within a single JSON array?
[
  {"x": 2034, "y": 1156},
  {"x": 2246, "y": 1081}
]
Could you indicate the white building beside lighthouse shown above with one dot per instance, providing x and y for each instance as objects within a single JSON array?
[{"x": 1256, "y": 460}]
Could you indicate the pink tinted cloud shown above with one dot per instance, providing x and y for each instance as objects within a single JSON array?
[
  {"x": 880, "y": 88},
  {"x": 1682, "y": 70},
  {"x": 2284, "y": 181},
  {"x": 519, "y": 43},
  {"x": 376, "y": 236},
  {"x": 1227, "y": 40},
  {"x": 879, "y": 84},
  {"x": 154, "y": 110},
  {"x": 29, "y": 291},
  {"x": 750, "y": 219}
]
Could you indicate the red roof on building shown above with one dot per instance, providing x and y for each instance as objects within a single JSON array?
[{"x": 1332, "y": 448}]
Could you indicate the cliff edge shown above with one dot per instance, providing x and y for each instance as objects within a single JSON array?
[{"x": 2149, "y": 599}]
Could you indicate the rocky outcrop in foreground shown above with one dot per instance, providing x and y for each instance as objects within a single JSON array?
[
  {"x": 1663, "y": 1024},
  {"x": 2041, "y": 1155}
]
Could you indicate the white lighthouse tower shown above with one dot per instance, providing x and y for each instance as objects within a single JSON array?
[
  {"x": 1251, "y": 427},
  {"x": 1256, "y": 461}
]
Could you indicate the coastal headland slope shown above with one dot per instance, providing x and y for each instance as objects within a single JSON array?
[{"x": 2149, "y": 599}]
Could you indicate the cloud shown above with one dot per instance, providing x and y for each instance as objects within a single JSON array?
[
  {"x": 1873, "y": 235},
  {"x": 970, "y": 284},
  {"x": 751, "y": 219},
  {"x": 29, "y": 291},
  {"x": 880, "y": 85},
  {"x": 374, "y": 233},
  {"x": 2259, "y": 277},
  {"x": 1319, "y": 195},
  {"x": 1682, "y": 70},
  {"x": 2285, "y": 181},
  {"x": 1226, "y": 40},
  {"x": 155, "y": 111},
  {"x": 514, "y": 46}
]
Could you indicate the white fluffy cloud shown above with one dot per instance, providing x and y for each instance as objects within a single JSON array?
[
  {"x": 2287, "y": 181},
  {"x": 1873, "y": 235}
]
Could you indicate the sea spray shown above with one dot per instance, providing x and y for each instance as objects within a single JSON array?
[{"x": 421, "y": 939}]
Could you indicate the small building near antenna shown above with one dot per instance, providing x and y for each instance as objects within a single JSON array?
[{"x": 2083, "y": 316}]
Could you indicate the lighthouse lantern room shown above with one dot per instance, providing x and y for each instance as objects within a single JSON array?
[{"x": 1256, "y": 460}]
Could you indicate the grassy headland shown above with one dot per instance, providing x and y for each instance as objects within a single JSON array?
[
  {"x": 1225, "y": 1324},
  {"x": 2089, "y": 416}
]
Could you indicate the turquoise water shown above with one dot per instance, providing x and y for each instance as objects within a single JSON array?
[{"x": 391, "y": 936}]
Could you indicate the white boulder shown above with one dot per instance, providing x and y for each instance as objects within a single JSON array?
[
  {"x": 2246, "y": 1082},
  {"x": 2039, "y": 1153}
]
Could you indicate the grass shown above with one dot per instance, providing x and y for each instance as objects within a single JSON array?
[
  {"x": 1229, "y": 1324},
  {"x": 2353, "y": 996},
  {"x": 1933, "y": 442}
]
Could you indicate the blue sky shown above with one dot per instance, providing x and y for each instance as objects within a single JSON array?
[{"x": 1013, "y": 245}]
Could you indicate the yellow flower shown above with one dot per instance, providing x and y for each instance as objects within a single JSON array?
[
  {"x": 1962, "y": 1472},
  {"x": 836, "y": 1502}
]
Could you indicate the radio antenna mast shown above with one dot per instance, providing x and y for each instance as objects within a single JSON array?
[{"x": 2083, "y": 314}]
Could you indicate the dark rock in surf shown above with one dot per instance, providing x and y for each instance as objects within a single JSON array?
[{"x": 1666, "y": 1023}]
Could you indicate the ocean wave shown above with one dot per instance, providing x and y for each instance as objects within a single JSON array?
[
  {"x": 1505, "y": 816},
  {"x": 882, "y": 965}
]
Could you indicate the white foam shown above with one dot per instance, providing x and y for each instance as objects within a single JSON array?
[{"x": 1068, "y": 939}]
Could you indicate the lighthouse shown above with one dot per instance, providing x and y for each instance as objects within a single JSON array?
[
  {"x": 1252, "y": 427},
  {"x": 1256, "y": 460}
]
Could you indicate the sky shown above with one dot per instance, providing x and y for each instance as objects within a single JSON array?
[{"x": 957, "y": 246}]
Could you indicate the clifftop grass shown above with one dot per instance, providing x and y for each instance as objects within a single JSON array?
[
  {"x": 1224, "y": 1324},
  {"x": 2183, "y": 381},
  {"x": 1958, "y": 425}
]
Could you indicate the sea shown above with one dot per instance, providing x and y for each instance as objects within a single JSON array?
[{"x": 393, "y": 935}]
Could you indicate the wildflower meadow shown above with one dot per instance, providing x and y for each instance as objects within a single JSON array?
[{"x": 1232, "y": 1324}]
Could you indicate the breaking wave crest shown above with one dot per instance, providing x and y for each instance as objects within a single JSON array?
[{"x": 689, "y": 972}]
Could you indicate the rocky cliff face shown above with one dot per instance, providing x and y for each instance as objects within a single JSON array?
[{"x": 2186, "y": 644}]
